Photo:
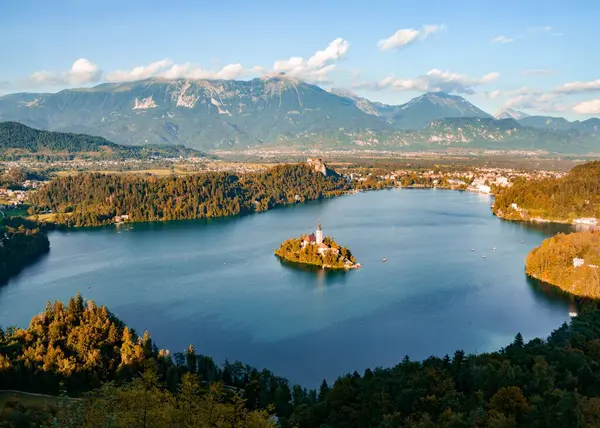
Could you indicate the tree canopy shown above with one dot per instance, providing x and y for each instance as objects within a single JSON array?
[
  {"x": 21, "y": 243},
  {"x": 331, "y": 255},
  {"x": 552, "y": 262},
  {"x": 577, "y": 194},
  {"x": 95, "y": 199},
  {"x": 14, "y": 135}
]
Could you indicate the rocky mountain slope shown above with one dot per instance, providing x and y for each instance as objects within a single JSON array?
[
  {"x": 198, "y": 113},
  {"x": 213, "y": 114}
]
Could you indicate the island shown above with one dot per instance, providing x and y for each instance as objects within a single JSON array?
[
  {"x": 569, "y": 262},
  {"x": 316, "y": 250}
]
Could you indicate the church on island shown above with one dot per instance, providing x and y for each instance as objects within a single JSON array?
[
  {"x": 317, "y": 250},
  {"x": 317, "y": 239}
]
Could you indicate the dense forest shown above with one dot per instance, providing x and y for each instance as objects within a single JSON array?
[
  {"x": 21, "y": 243},
  {"x": 552, "y": 262},
  {"x": 330, "y": 255},
  {"x": 95, "y": 199},
  {"x": 575, "y": 195},
  {"x": 81, "y": 346},
  {"x": 17, "y": 140}
]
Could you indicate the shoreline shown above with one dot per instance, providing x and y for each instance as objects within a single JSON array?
[
  {"x": 541, "y": 220},
  {"x": 316, "y": 266}
]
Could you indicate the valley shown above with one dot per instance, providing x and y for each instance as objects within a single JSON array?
[{"x": 299, "y": 214}]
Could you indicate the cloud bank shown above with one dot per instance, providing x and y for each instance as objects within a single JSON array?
[
  {"x": 407, "y": 36},
  {"x": 82, "y": 72},
  {"x": 433, "y": 80}
]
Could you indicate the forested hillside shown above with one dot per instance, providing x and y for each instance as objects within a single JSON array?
[
  {"x": 575, "y": 195},
  {"x": 552, "y": 262},
  {"x": 94, "y": 199},
  {"x": 21, "y": 243},
  {"x": 80, "y": 346},
  {"x": 21, "y": 140}
]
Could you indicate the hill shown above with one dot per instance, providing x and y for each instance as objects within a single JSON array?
[
  {"x": 21, "y": 243},
  {"x": 573, "y": 196},
  {"x": 553, "y": 262},
  {"x": 18, "y": 139},
  {"x": 589, "y": 126},
  {"x": 283, "y": 111},
  {"x": 95, "y": 199}
]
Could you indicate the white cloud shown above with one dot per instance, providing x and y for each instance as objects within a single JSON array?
[
  {"x": 536, "y": 72},
  {"x": 315, "y": 69},
  {"x": 433, "y": 80},
  {"x": 140, "y": 72},
  {"x": 318, "y": 67},
  {"x": 534, "y": 99},
  {"x": 406, "y": 36},
  {"x": 588, "y": 107},
  {"x": 166, "y": 69},
  {"x": 579, "y": 87},
  {"x": 502, "y": 40},
  {"x": 82, "y": 71},
  {"x": 191, "y": 71},
  {"x": 336, "y": 50}
]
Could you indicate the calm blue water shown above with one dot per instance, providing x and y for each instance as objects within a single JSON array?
[{"x": 216, "y": 283}]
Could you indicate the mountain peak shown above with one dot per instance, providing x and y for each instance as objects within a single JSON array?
[
  {"x": 440, "y": 94},
  {"x": 510, "y": 113}
]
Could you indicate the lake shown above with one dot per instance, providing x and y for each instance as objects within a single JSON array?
[{"x": 217, "y": 284}]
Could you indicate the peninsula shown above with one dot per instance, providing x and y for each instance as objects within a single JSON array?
[
  {"x": 316, "y": 250},
  {"x": 569, "y": 262},
  {"x": 573, "y": 198}
]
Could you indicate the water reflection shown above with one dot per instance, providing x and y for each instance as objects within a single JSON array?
[
  {"x": 549, "y": 229},
  {"x": 549, "y": 294},
  {"x": 322, "y": 277}
]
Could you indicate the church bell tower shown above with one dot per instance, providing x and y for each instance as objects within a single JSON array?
[{"x": 319, "y": 235}]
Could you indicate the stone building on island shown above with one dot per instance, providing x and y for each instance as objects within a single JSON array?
[{"x": 317, "y": 239}]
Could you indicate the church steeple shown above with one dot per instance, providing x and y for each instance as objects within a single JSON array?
[{"x": 319, "y": 235}]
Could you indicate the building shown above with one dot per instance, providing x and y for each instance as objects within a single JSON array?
[
  {"x": 482, "y": 188},
  {"x": 315, "y": 238},
  {"x": 309, "y": 239},
  {"x": 578, "y": 262},
  {"x": 319, "y": 235},
  {"x": 587, "y": 221}
]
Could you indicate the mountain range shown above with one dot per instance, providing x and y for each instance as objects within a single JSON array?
[{"x": 218, "y": 114}]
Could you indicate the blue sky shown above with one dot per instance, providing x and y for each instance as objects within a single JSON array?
[{"x": 536, "y": 56}]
